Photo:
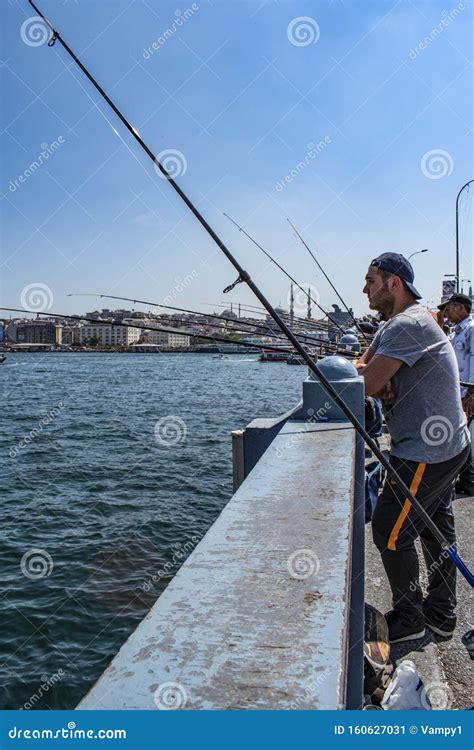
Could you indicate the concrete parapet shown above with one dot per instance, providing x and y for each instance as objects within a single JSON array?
[{"x": 267, "y": 611}]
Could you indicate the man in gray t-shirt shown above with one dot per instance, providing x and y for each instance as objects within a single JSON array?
[
  {"x": 425, "y": 417},
  {"x": 411, "y": 367}
]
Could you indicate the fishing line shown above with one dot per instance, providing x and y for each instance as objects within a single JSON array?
[
  {"x": 244, "y": 277},
  {"x": 265, "y": 328},
  {"x": 278, "y": 265},
  {"x": 166, "y": 329},
  {"x": 318, "y": 325},
  {"x": 326, "y": 277}
]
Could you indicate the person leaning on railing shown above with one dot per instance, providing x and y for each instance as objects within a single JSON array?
[{"x": 410, "y": 365}]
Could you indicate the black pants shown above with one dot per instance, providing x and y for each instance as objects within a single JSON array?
[
  {"x": 396, "y": 525},
  {"x": 466, "y": 477}
]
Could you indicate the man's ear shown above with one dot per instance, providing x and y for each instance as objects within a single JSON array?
[{"x": 396, "y": 284}]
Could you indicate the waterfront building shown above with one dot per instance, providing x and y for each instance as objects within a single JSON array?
[
  {"x": 11, "y": 330},
  {"x": 71, "y": 335},
  {"x": 38, "y": 332},
  {"x": 159, "y": 338},
  {"x": 109, "y": 335}
]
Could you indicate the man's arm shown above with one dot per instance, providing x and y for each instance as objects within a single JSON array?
[
  {"x": 471, "y": 356},
  {"x": 468, "y": 398},
  {"x": 366, "y": 357},
  {"x": 378, "y": 373}
]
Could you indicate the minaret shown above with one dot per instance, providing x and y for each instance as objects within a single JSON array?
[
  {"x": 308, "y": 315},
  {"x": 292, "y": 304}
]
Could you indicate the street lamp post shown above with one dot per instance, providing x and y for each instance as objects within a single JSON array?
[
  {"x": 425, "y": 250},
  {"x": 457, "y": 232}
]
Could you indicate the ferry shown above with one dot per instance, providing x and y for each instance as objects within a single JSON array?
[{"x": 271, "y": 356}]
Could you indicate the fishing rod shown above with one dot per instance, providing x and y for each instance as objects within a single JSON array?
[
  {"x": 180, "y": 331},
  {"x": 327, "y": 278},
  {"x": 278, "y": 265},
  {"x": 177, "y": 330},
  {"x": 244, "y": 277},
  {"x": 167, "y": 307},
  {"x": 264, "y": 328}
]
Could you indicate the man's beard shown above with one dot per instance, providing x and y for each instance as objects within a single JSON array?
[{"x": 382, "y": 301}]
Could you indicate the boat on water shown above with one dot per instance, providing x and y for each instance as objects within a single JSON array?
[
  {"x": 270, "y": 356},
  {"x": 295, "y": 359},
  {"x": 2, "y": 358}
]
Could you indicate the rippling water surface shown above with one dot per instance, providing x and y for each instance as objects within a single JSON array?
[{"x": 97, "y": 497}]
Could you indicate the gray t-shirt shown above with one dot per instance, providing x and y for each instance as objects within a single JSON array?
[{"x": 425, "y": 419}]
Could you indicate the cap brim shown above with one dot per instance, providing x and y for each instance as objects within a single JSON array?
[
  {"x": 413, "y": 289},
  {"x": 442, "y": 307}
]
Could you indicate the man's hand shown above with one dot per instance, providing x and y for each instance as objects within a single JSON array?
[
  {"x": 440, "y": 319},
  {"x": 387, "y": 393},
  {"x": 378, "y": 374}
]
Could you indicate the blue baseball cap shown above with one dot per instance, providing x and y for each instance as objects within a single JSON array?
[{"x": 399, "y": 266}]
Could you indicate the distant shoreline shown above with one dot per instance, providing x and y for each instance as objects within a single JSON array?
[{"x": 175, "y": 350}]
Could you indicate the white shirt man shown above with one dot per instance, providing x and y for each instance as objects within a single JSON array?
[
  {"x": 462, "y": 339},
  {"x": 458, "y": 311}
]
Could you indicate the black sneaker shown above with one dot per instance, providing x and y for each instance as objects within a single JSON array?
[
  {"x": 441, "y": 624},
  {"x": 399, "y": 630}
]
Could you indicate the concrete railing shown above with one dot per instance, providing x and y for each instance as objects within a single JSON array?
[{"x": 267, "y": 612}]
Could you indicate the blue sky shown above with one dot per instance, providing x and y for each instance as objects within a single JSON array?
[{"x": 241, "y": 89}]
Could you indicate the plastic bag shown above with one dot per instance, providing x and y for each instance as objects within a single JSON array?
[
  {"x": 374, "y": 474},
  {"x": 406, "y": 691}
]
